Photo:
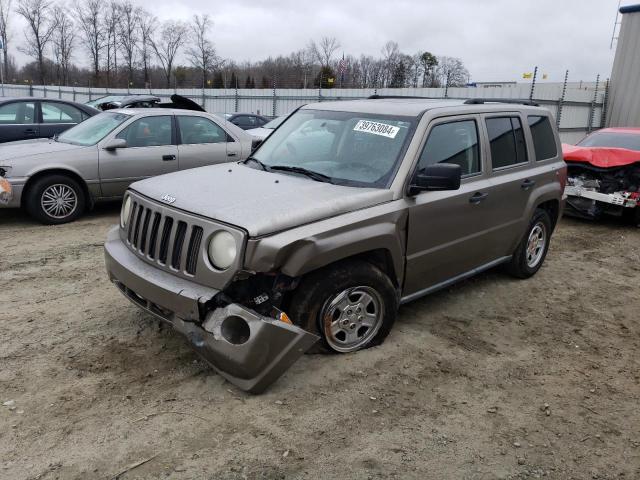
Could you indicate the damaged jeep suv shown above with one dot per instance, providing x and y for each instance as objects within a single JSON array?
[{"x": 346, "y": 211}]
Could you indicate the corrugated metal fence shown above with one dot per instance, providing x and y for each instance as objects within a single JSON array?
[{"x": 577, "y": 107}]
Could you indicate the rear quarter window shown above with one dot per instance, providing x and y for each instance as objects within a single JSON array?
[{"x": 544, "y": 142}]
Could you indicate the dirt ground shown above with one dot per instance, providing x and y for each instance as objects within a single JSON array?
[{"x": 92, "y": 387}]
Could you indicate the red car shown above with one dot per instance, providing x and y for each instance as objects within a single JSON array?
[{"x": 604, "y": 174}]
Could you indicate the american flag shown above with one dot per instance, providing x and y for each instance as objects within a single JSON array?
[{"x": 342, "y": 66}]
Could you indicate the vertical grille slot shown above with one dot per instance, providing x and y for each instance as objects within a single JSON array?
[
  {"x": 137, "y": 227},
  {"x": 164, "y": 239},
  {"x": 132, "y": 215},
  {"x": 177, "y": 245},
  {"x": 145, "y": 229},
  {"x": 194, "y": 249},
  {"x": 153, "y": 236}
]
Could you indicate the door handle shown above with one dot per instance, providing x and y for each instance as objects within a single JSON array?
[
  {"x": 30, "y": 131},
  {"x": 527, "y": 184},
  {"x": 168, "y": 158},
  {"x": 478, "y": 197},
  {"x": 232, "y": 154}
]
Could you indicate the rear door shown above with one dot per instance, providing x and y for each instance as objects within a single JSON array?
[
  {"x": 151, "y": 150},
  {"x": 58, "y": 116},
  {"x": 511, "y": 180},
  {"x": 18, "y": 121},
  {"x": 448, "y": 229},
  {"x": 204, "y": 142}
]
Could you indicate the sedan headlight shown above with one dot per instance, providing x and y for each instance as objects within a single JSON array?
[
  {"x": 222, "y": 249},
  {"x": 125, "y": 212}
]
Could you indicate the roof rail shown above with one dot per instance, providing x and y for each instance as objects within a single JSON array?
[
  {"x": 480, "y": 101},
  {"x": 378, "y": 97}
]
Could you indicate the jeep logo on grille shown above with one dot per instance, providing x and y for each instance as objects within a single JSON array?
[{"x": 168, "y": 198}]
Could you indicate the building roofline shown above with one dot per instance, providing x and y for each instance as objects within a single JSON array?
[{"x": 630, "y": 8}]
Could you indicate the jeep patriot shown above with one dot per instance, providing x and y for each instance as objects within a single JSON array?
[{"x": 346, "y": 211}]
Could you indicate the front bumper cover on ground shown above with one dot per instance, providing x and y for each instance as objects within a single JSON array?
[{"x": 249, "y": 350}]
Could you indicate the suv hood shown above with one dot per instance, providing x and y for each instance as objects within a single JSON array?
[
  {"x": 259, "y": 202},
  {"x": 11, "y": 151}
]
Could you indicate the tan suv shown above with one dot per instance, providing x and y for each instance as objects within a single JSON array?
[{"x": 346, "y": 211}]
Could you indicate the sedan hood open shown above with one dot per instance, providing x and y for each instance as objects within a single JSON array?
[
  {"x": 259, "y": 202},
  {"x": 27, "y": 148}
]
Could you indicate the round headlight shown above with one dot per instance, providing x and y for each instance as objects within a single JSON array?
[
  {"x": 125, "y": 212},
  {"x": 222, "y": 249}
]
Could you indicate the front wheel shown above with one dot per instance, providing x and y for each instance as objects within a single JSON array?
[
  {"x": 351, "y": 306},
  {"x": 55, "y": 199},
  {"x": 532, "y": 250}
]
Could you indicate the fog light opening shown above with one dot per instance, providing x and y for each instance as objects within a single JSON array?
[{"x": 235, "y": 330}]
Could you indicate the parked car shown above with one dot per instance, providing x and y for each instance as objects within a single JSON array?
[
  {"x": 111, "y": 102},
  {"x": 256, "y": 262},
  {"x": 29, "y": 117},
  {"x": 246, "y": 121},
  {"x": 604, "y": 174},
  {"x": 56, "y": 180},
  {"x": 264, "y": 131}
]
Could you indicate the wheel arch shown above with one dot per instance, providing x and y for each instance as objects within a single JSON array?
[{"x": 58, "y": 171}]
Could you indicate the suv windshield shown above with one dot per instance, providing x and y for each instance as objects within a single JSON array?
[
  {"x": 94, "y": 129},
  {"x": 350, "y": 148},
  {"x": 612, "y": 140}
]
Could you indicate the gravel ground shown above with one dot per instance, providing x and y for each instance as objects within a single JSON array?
[{"x": 494, "y": 378}]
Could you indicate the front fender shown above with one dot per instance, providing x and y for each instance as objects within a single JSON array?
[{"x": 307, "y": 248}]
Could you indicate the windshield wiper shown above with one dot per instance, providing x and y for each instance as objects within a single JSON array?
[
  {"x": 317, "y": 176},
  {"x": 254, "y": 159}
]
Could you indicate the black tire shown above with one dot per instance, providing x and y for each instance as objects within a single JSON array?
[
  {"x": 34, "y": 197},
  {"x": 520, "y": 265},
  {"x": 317, "y": 289}
]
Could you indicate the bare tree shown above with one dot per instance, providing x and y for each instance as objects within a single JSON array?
[
  {"x": 146, "y": 27},
  {"x": 129, "y": 35},
  {"x": 201, "y": 53},
  {"x": 89, "y": 16},
  {"x": 324, "y": 50},
  {"x": 63, "y": 39},
  {"x": 451, "y": 72},
  {"x": 40, "y": 27},
  {"x": 390, "y": 55},
  {"x": 5, "y": 10},
  {"x": 110, "y": 22},
  {"x": 167, "y": 44}
]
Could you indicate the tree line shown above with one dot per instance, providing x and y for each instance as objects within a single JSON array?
[{"x": 124, "y": 45}]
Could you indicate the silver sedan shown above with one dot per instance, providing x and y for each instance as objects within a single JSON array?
[{"x": 57, "y": 179}]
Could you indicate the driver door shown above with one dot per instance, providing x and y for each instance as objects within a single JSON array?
[{"x": 151, "y": 150}]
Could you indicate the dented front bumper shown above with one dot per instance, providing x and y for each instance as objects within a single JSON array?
[{"x": 249, "y": 350}]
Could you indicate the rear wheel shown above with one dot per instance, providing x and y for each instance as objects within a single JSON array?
[
  {"x": 351, "y": 306},
  {"x": 55, "y": 199},
  {"x": 532, "y": 250}
]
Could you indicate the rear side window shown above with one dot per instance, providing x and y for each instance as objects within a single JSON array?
[
  {"x": 454, "y": 142},
  {"x": 53, "y": 112},
  {"x": 544, "y": 142},
  {"x": 507, "y": 141},
  {"x": 196, "y": 130}
]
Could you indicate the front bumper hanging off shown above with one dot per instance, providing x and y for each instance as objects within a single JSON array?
[{"x": 249, "y": 350}]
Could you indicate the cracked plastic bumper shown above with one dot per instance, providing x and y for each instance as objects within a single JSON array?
[{"x": 249, "y": 350}]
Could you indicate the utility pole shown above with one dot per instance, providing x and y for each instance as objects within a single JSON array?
[{"x": 2, "y": 67}]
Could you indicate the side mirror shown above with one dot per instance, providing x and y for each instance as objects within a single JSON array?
[
  {"x": 440, "y": 176},
  {"x": 116, "y": 143}
]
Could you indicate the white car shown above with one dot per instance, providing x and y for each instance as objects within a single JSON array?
[{"x": 265, "y": 130}]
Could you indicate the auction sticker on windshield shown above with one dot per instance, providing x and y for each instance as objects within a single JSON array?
[{"x": 376, "y": 128}]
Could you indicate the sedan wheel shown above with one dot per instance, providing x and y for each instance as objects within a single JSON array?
[{"x": 59, "y": 201}]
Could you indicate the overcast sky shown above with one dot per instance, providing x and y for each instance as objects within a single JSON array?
[{"x": 498, "y": 40}]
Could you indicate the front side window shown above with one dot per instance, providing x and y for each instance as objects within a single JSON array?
[
  {"x": 148, "y": 132},
  {"x": 53, "y": 112},
  {"x": 544, "y": 142},
  {"x": 507, "y": 141},
  {"x": 94, "y": 129},
  {"x": 196, "y": 130},
  {"x": 453, "y": 142},
  {"x": 348, "y": 147},
  {"x": 17, "y": 113}
]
